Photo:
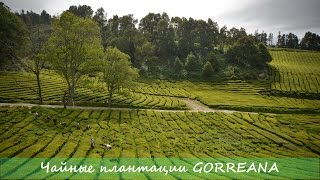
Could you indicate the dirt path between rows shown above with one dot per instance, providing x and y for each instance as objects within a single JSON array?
[
  {"x": 193, "y": 105},
  {"x": 196, "y": 105}
]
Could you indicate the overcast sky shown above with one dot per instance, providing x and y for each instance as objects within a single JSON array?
[{"x": 297, "y": 16}]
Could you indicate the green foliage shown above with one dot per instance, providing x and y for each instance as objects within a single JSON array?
[
  {"x": 117, "y": 71},
  {"x": 39, "y": 30},
  {"x": 178, "y": 68},
  {"x": 217, "y": 60},
  {"x": 262, "y": 37},
  {"x": 288, "y": 41},
  {"x": 207, "y": 70},
  {"x": 83, "y": 11},
  {"x": 122, "y": 33},
  {"x": 33, "y": 19},
  {"x": 185, "y": 37},
  {"x": 100, "y": 17},
  {"x": 148, "y": 26},
  {"x": 73, "y": 48},
  {"x": 310, "y": 41},
  {"x": 247, "y": 94},
  {"x": 12, "y": 36},
  {"x": 264, "y": 53},
  {"x": 193, "y": 65},
  {"x": 165, "y": 42},
  {"x": 235, "y": 34},
  {"x": 248, "y": 52},
  {"x": 147, "y": 58}
]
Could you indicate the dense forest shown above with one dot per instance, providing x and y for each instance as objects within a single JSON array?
[{"x": 158, "y": 45}]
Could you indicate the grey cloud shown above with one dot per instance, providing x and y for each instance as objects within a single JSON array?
[
  {"x": 286, "y": 15},
  {"x": 51, "y": 6},
  {"x": 297, "y": 16}
]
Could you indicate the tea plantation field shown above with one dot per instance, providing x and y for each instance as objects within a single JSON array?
[
  {"x": 293, "y": 87},
  {"x": 153, "y": 134},
  {"x": 249, "y": 96},
  {"x": 232, "y": 94},
  {"x": 21, "y": 87},
  {"x": 280, "y": 118},
  {"x": 295, "y": 72}
]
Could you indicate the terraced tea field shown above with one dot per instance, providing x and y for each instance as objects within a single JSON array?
[
  {"x": 297, "y": 72},
  {"x": 153, "y": 134},
  {"x": 232, "y": 94},
  {"x": 169, "y": 137},
  {"x": 248, "y": 96},
  {"x": 21, "y": 87}
]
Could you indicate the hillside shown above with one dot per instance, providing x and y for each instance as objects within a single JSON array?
[{"x": 296, "y": 73}]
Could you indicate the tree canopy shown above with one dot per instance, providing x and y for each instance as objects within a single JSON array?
[
  {"x": 310, "y": 41},
  {"x": 13, "y": 35},
  {"x": 73, "y": 48},
  {"x": 83, "y": 11},
  {"x": 207, "y": 70},
  {"x": 153, "y": 43},
  {"x": 117, "y": 72},
  {"x": 247, "y": 51}
]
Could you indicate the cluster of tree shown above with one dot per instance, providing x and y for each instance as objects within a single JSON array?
[
  {"x": 264, "y": 38},
  {"x": 38, "y": 31},
  {"x": 12, "y": 36},
  {"x": 75, "y": 49},
  {"x": 159, "y": 40},
  {"x": 288, "y": 41},
  {"x": 80, "y": 40},
  {"x": 310, "y": 41},
  {"x": 249, "y": 52},
  {"x": 159, "y": 43},
  {"x": 69, "y": 44}
]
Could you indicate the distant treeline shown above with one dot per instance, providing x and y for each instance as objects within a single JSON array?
[
  {"x": 158, "y": 44},
  {"x": 158, "y": 25}
]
